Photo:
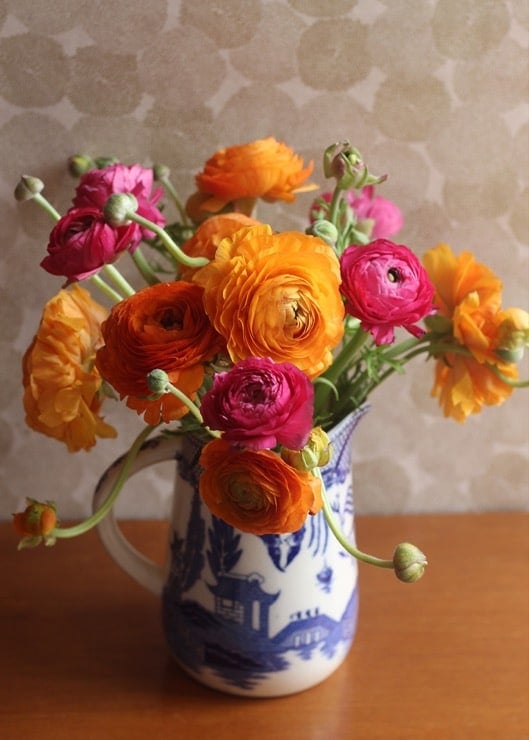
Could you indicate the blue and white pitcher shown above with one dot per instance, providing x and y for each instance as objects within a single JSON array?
[{"x": 258, "y": 616}]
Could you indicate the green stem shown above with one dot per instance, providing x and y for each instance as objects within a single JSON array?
[
  {"x": 168, "y": 185},
  {"x": 506, "y": 380},
  {"x": 46, "y": 206},
  {"x": 106, "y": 289},
  {"x": 107, "y": 505},
  {"x": 342, "y": 539},
  {"x": 170, "y": 245},
  {"x": 193, "y": 408},
  {"x": 119, "y": 280},
  {"x": 144, "y": 267}
]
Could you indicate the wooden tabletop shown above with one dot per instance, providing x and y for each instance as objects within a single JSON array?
[{"x": 82, "y": 653}]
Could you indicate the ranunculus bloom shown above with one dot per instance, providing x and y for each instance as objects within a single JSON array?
[
  {"x": 61, "y": 385},
  {"x": 383, "y": 217},
  {"x": 209, "y": 235},
  {"x": 469, "y": 296},
  {"x": 386, "y": 216},
  {"x": 255, "y": 490},
  {"x": 82, "y": 242},
  {"x": 164, "y": 327},
  {"x": 261, "y": 404},
  {"x": 385, "y": 286},
  {"x": 96, "y": 186},
  {"x": 265, "y": 168},
  {"x": 275, "y": 295}
]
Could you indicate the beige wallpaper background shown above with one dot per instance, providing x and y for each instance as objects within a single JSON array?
[{"x": 433, "y": 92}]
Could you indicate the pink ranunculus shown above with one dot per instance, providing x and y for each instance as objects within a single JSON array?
[
  {"x": 82, "y": 242},
  {"x": 96, "y": 186},
  {"x": 385, "y": 286},
  {"x": 386, "y": 216},
  {"x": 261, "y": 404}
]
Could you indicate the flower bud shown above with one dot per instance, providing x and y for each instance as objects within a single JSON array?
[
  {"x": 345, "y": 164},
  {"x": 158, "y": 380},
  {"x": 160, "y": 171},
  {"x": 118, "y": 208},
  {"x": 80, "y": 164},
  {"x": 408, "y": 562},
  {"x": 316, "y": 453},
  {"x": 27, "y": 187},
  {"x": 36, "y": 523},
  {"x": 102, "y": 162},
  {"x": 513, "y": 335},
  {"x": 324, "y": 230}
]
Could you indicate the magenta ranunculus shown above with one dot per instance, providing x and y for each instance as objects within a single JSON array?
[
  {"x": 82, "y": 242},
  {"x": 385, "y": 286},
  {"x": 260, "y": 404},
  {"x": 96, "y": 186},
  {"x": 386, "y": 216}
]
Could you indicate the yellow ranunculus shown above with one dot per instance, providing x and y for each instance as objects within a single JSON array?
[
  {"x": 275, "y": 295},
  {"x": 61, "y": 385}
]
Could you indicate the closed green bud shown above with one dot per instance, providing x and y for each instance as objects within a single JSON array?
[
  {"x": 409, "y": 562},
  {"x": 158, "y": 381},
  {"x": 27, "y": 187},
  {"x": 324, "y": 230},
  {"x": 160, "y": 171},
  {"x": 102, "y": 162},
  {"x": 80, "y": 164},
  {"x": 118, "y": 208}
]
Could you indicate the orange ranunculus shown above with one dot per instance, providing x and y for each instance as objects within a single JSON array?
[
  {"x": 164, "y": 327},
  {"x": 455, "y": 277},
  {"x": 61, "y": 385},
  {"x": 275, "y": 295},
  {"x": 209, "y": 235},
  {"x": 255, "y": 490},
  {"x": 265, "y": 168},
  {"x": 469, "y": 295},
  {"x": 463, "y": 385}
]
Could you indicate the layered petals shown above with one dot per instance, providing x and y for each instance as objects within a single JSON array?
[
  {"x": 265, "y": 168},
  {"x": 261, "y": 404},
  {"x": 255, "y": 490},
  {"x": 161, "y": 327},
  {"x": 62, "y": 387},
  {"x": 385, "y": 286},
  {"x": 275, "y": 295}
]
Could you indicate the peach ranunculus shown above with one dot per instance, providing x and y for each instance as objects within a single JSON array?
[
  {"x": 237, "y": 175},
  {"x": 469, "y": 298},
  {"x": 255, "y": 490},
  {"x": 62, "y": 387},
  {"x": 209, "y": 235},
  {"x": 275, "y": 295},
  {"x": 164, "y": 327}
]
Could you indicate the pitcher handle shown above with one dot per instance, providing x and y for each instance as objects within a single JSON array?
[{"x": 143, "y": 570}]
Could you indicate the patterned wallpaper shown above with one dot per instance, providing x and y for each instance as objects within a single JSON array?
[{"x": 433, "y": 92}]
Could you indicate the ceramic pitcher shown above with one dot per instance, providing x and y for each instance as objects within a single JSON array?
[{"x": 251, "y": 615}]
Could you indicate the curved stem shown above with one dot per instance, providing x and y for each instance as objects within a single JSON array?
[
  {"x": 100, "y": 514},
  {"x": 168, "y": 243},
  {"x": 342, "y": 539}
]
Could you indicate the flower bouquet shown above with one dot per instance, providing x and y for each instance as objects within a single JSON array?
[{"x": 257, "y": 341}]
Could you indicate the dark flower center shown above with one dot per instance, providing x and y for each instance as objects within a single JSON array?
[{"x": 394, "y": 275}]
